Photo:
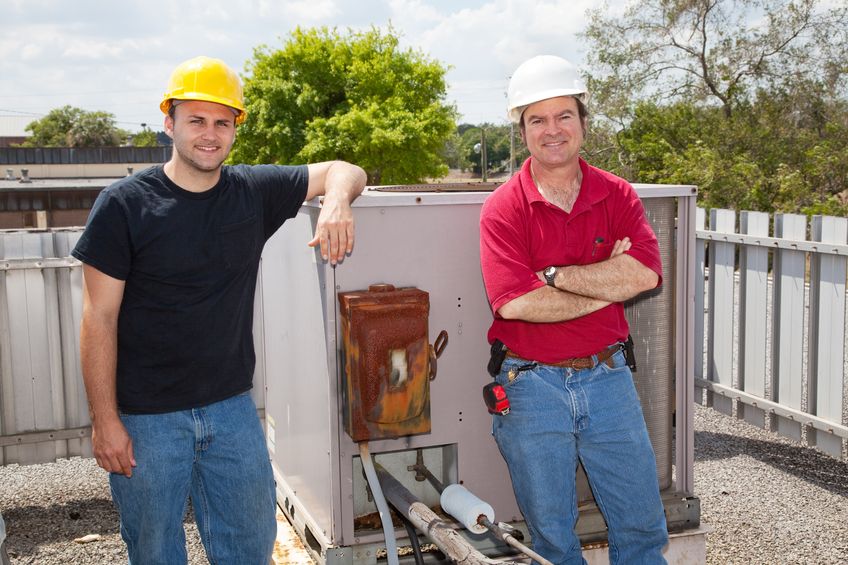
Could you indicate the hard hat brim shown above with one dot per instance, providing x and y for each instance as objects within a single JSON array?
[
  {"x": 166, "y": 104},
  {"x": 515, "y": 111}
]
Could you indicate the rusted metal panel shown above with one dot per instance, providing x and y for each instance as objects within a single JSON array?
[{"x": 387, "y": 365}]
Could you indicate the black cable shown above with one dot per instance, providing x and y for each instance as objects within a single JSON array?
[{"x": 413, "y": 539}]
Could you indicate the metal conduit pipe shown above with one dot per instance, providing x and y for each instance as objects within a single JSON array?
[
  {"x": 510, "y": 539},
  {"x": 422, "y": 472},
  {"x": 446, "y": 538},
  {"x": 379, "y": 499}
]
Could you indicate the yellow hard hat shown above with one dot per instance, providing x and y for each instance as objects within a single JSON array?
[{"x": 206, "y": 79}]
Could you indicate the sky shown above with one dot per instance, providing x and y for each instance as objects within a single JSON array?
[{"x": 117, "y": 55}]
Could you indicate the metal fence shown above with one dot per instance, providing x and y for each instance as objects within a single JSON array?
[
  {"x": 770, "y": 322},
  {"x": 770, "y": 328},
  {"x": 43, "y": 408}
]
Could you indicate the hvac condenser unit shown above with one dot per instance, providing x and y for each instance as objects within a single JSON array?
[{"x": 425, "y": 238}]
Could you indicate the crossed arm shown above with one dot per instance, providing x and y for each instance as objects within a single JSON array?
[{"x": 583, "y": 289}]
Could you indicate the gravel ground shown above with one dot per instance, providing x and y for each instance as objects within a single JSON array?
[{"x": 767, "y": 501}]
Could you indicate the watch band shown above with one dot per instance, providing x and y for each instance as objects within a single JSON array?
[{"x": 550, "y": 276}]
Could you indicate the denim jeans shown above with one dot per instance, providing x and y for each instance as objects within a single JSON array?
[
  {"x": 217, "y": 456},
  {"x": 559, "y": 415}
]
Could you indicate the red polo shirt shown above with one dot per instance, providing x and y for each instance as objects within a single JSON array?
[{"x": 522, "y": 233}]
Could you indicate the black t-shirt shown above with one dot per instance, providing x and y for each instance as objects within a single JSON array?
[{"x": 189, "y": 261}]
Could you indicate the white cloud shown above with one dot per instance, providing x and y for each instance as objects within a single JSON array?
[
  {"x": 92, "y": 49},
  {"x": 54, "y": 52},
  {"x": 299, "y": 11},
  {"x": 485, "y": 43}
]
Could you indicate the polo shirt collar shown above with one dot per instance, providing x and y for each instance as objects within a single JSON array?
[{"x": 592, "y": 190}]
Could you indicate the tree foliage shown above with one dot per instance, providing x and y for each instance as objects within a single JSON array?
[
  {"x": 715, "y": 50},
  {"x": 74, "y": 127},
  {"x": 356, "y": 96},
  {"x": 145, "y": 138},
  {"x": 497, "y": 148},
  {"x": 744, "y": 98}
]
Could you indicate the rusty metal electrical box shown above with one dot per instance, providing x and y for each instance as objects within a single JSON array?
[{"x": 386, "y": 362}]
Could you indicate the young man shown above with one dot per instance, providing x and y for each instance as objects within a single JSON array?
[
  {"x": 563, "y": 244},
  {"x": 170, "y": 264}
]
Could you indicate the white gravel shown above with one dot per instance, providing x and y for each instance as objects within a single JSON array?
[{"x": 767, "y": 501}]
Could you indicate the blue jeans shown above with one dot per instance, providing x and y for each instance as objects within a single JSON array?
[
  {"x": 216, "y": 455},
  {"x": 559, "y": 415}
]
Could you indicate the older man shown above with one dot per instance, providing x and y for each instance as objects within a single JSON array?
[{"x": 563, "y": 244}]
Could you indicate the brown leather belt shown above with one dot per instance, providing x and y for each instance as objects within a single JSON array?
[{"x": 580, "y": 363}]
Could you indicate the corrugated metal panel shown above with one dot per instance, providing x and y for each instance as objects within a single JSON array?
[
  {"x": 41, "y": 386},
  {"x": 33, "y": 391}
]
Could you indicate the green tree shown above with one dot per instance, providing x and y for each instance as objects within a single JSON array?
[
  {"x": 717, "y": 51},
  {"x": 765, "y": 157},
  {"x": 497, "y": 147},
  {"x": 453, "y": 153},
  {"x": 145, "y": 138},
  {"x": 746, "y": 99},
  {"x": 355, "y": 96},
  {"x": 74, "y": 127}
]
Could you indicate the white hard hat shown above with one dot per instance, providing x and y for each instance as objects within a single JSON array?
[{"x": 540, "y": 78}]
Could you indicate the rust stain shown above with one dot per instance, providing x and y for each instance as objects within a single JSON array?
[
  {"x": 288, "y": 549},
  {"x": 386, "y": 353}
]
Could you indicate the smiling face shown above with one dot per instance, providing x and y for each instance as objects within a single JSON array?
[
  {"x": 203, "y": 134},
  {"x": 553, "y": 131}
]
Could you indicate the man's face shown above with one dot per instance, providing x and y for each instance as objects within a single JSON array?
[
  {"x": 553, "y": 131},
  {"x": 203, "y": 133}
]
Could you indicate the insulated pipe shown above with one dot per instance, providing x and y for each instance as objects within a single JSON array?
[
  {"x": 449, "y": 540},
  {"x": 457, "y": 501},
  {"x": 379, "y": 499}
]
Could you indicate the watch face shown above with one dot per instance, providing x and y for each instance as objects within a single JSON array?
[{"x": 550, "y": 271}]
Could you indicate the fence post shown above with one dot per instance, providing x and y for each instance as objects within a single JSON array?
[
  {"x": 788, "y": 322},
  {"x": 700, "y": 264},
  {"x": 722, "y": 275},
  {"x": 753, "y": 307},
  {"x": 827, "y": 332}
]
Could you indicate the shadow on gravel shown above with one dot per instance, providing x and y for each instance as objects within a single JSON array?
[
  {"x": 31, "y": 526},
  {"x": 803, "y": 462}
]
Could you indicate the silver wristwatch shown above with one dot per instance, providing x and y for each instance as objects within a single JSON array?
[{"x": 550, "y": 275}]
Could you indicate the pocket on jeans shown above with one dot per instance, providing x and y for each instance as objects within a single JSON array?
[
  {"x": 512, "y": 365},
  {"x": 619, "y": 362}
]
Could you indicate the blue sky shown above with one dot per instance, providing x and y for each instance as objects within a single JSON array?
[{"x": 116, "y": 55}]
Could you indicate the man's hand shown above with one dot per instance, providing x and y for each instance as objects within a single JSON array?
[
  {"x": 334, "y": 231},
  {"x": 339, "y": 183},
  {"x": 112, "y": 447},
  {"x": 620, "y": 246}
]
